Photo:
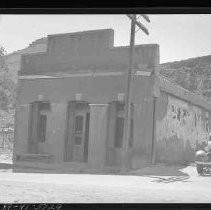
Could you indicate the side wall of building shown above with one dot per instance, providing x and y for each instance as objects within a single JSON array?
[{"x": 181, "y": 129}]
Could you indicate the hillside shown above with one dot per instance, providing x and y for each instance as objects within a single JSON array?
[{"x": 193, "y": 74}]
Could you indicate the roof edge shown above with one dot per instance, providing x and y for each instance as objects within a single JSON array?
[
  {"x": 184, "y": 94},
  {"x": 81, "y": 32}
]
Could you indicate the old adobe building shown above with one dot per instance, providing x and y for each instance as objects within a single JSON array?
[{"x": 70, "y": 106}]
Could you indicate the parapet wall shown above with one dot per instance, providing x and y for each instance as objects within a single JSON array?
[{"x": 89, "y": 50}]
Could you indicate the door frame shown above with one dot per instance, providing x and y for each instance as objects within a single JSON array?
[
  {"x": 82, "y": 135},
  {"x": 72, "y": 112},
  {"x": 35, "y": 109}
]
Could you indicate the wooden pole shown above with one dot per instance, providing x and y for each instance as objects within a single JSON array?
[
  {"x": 127, "y": 123},
  {"x": 153, "y": 132}
]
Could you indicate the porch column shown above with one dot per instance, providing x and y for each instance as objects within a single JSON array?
[
  {"x": 56, "y": 125},
  {"x": 97, "y": 135}
]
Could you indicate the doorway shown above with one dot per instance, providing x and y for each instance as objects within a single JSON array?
[
  {"x": 76, "y": 145},
  {"x": 37, "y": 125}
]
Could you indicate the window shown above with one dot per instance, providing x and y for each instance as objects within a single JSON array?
[
  {"x": 119, "y": 132},
  {"x": 131, "y": 134},
  {"x": 37, "y": 124},
  {"x": 79, "y": 129},
  {"x": 42, "y": 128},
  {"x": 79, "y": 124},
  {"x": 195, "y": 120},
  {"x": 78, "y": 140}
]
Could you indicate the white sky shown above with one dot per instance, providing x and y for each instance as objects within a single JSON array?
[{"x": 179, "y": 36}]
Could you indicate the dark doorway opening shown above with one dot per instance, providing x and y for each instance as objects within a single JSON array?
[{"x": 37, "y": 125}]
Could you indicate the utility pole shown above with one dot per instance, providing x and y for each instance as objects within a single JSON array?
[{"x": 127, "y": 122}]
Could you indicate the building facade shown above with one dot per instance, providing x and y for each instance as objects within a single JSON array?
[{"x": 70, "y": 106}]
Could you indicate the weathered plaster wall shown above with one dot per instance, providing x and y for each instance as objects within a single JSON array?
[
  {"x": 95, "y": 89},
  {"x": 55, "y": 132},
  {"x": 92, "y": 51},
  {"x": 89, "y": 50},
  {"x": 21, "y": 129},
  {"x": 181, "y": 129},
  {"x": 140, "y": 154},
  {"x": 100, "y": 89},
  {"x": 98, "y": 135}
]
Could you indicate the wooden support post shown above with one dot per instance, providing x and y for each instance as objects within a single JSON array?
[{"x": 127, "y": 122}]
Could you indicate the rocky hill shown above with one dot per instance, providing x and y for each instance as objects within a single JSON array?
[{"x": 193, "y": 74}]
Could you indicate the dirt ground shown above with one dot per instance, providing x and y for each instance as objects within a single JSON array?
[{"x": 160, "y": 184}]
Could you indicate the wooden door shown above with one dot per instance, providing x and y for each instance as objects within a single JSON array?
[
  {"x": 79, "y": 136},
  {"x": 76, "y": 144}
]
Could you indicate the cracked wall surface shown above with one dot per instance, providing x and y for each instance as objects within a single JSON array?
[{"x": 181, "y": 129}]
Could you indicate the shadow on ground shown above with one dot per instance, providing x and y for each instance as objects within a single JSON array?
[
  {"x": 9, "y": 167},
  {"x": 156, "y": 170},
  {"x": 161, "y": 173},
  {"x": 161, "y": 170}
]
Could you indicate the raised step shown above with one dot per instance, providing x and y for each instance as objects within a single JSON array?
[{"x": 35, "y": 157}]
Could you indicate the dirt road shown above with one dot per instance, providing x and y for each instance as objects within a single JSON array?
[{"x": 73, "y": 188}]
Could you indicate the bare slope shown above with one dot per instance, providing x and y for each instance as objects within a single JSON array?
[{"x": 193, "y": 74}]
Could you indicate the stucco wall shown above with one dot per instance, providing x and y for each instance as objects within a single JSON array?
[
  {"x": 143, "y": 130},
  {"x": 181, "y": 129},
  {"x": 94, "y": 89},
  {"x": 99, "y": 89},
  {"x": 55, "y": 132},
  {"x": 98, "y": 135},
  {"x": 89, "y": 50},
  {"x": 21, "y": 129}
]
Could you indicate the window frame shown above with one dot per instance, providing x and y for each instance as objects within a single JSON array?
[
  {"x": 42, "y": 128},
  {"x": 120, "y": 113}
]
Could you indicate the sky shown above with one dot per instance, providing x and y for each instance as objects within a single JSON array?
[{"x": 179, "y": 36}]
